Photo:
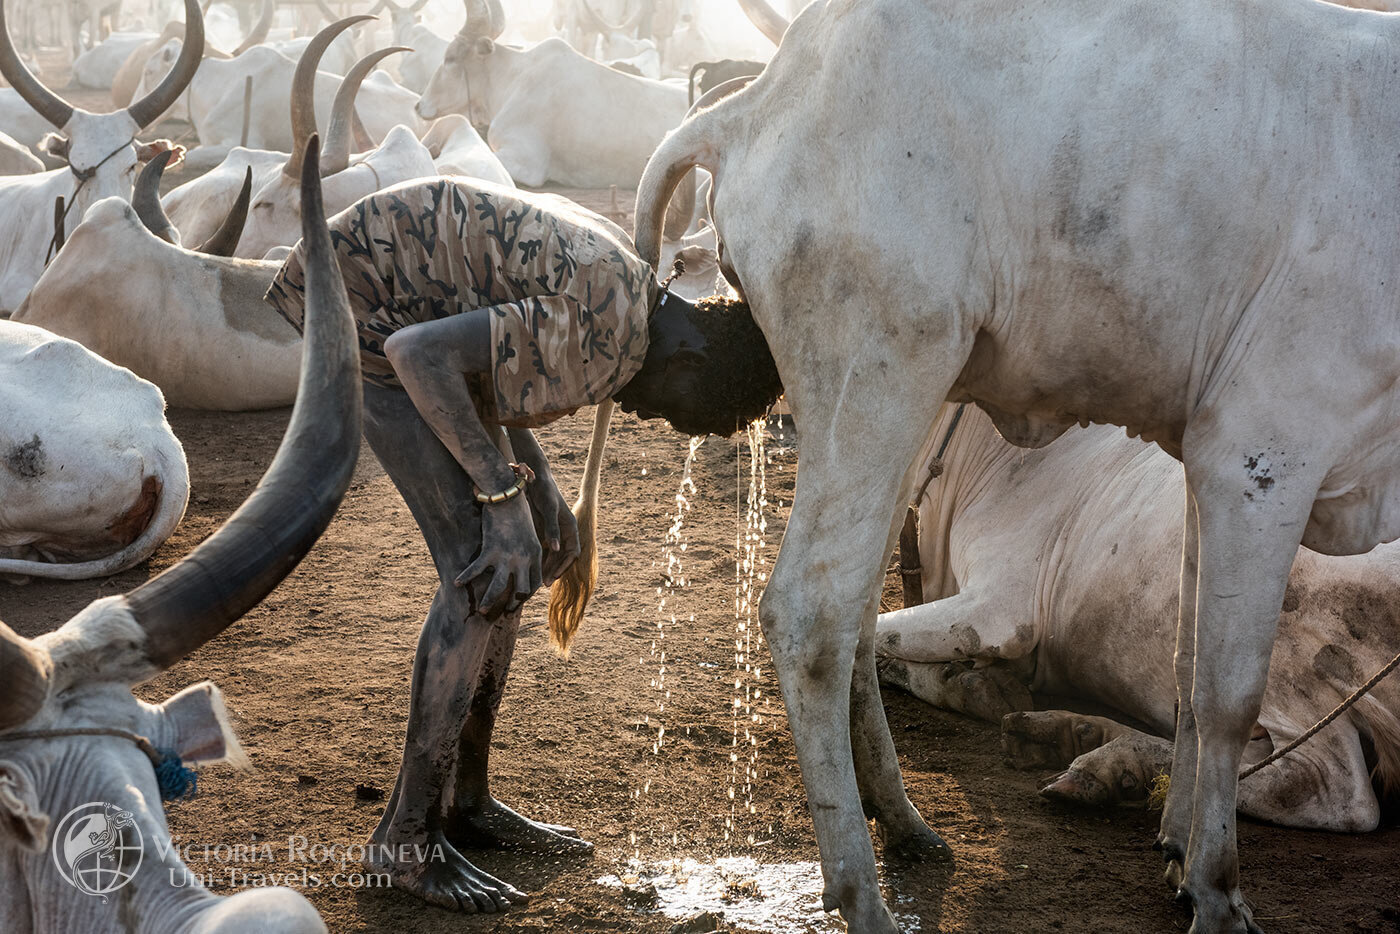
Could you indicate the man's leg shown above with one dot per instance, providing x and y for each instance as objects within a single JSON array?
[
  {"x": 473, "y": 816},
  {"x": 446, "y": 667}
]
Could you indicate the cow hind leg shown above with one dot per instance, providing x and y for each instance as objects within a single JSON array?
[
  {"x": 1322, "y": 785},
  {"x": 877, "y": 766}
]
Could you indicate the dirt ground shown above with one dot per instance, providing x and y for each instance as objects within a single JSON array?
[{"x": 317, "y": 681}]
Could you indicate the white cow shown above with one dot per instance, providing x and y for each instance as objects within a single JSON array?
[
  {"x": 101, "y": 152},
  {"x": 553, "y": 114},
  {"x": 1056, "y": 569},
  {"x": 91, "y": 476},
  {"x": 275, "y": 218},
  {"x": 458, "y": 149},
  {"x": 98, "y": 66},
  {"x": 16, "y": 159},
  {"x": 1176, "y": 218},
  {"x": 72, "y": 733},
  {"x": 216, "y": 99},
  {"x": 417, "y": 68},
  {"x": 192, "y": 323}
]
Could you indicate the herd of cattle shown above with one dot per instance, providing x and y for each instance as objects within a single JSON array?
[{"x": 1185, "y": 227}]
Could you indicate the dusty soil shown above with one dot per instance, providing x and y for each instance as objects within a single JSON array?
[{"x": 317, "y": 680}]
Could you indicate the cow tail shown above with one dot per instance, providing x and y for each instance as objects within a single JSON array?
[{"x": 568, "y": 598}]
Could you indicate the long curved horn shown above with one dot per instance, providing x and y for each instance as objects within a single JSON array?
[
  {"x": 768, "y": 20},
  {"x": 145, "y": 198},
  {"x": 49, "y": 105},
  {"x": 261, "y": 543},
  {"x": 225, "y": 240},
  {"x": 341, "y": 128},
  {"x": 149, "y": 108},
  {"x": 261, "y": 28},
  {"x": 625, "y": 27},
  {"x": 485, "y": 18},
  {"x": 304, "y": 89},
  {"x": 26, "y": 682},
  {"x": 681, "y": 205}
]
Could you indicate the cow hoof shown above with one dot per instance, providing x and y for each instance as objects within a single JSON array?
[
  {"x": 860, "y": 915},
  {"x": 1175, "y": 857},
  {"x": 920, "y": 845},
  {"x": 1217, "y": 913},
  {"x": 1078, "y": 788},
  {"x": 892, "y": 672},
  {"x": 497, "y": 826}
]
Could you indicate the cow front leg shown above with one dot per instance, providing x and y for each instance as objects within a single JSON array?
[
  {"x": 925, "y": 650},
  {"x": 1249, "y": 534},
  {"x": 1176, "y": 812},
  {"x": 473, "y": 816}
]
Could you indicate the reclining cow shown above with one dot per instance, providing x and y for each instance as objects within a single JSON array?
[
  {"x": 1178, "y": 218},
  {"x": 100, "y": 150},
  {"x": 1053, "y": 571},
  {"x": 72, "y": 732},
  {"x": 217, "y": 99},
  {"x": 275, "y": 217},
  {"x": 92, "y": 478},
  {"x": 191, "y": 322}
]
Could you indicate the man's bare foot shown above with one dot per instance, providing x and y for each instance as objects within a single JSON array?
[
  {"x": 433, "y": 870},
  {"x": 495, "y": 825}
]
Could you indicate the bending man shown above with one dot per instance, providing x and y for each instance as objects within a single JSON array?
[{"x": 480, "y": 309}]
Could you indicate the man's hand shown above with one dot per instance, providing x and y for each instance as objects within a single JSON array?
[
  {"x": 555, "y": 525},
  {"x": 507, "y": 571}
]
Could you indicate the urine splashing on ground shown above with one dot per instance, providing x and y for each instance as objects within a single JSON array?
[
  {"x": 750, "y": 577},
  {"x": 667, "y": 600},
  {"x": 738, "y": 888}
]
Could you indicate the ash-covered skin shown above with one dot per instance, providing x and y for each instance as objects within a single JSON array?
[
  {"x": 442, "y": 798},
  {"x": 708, "y": 369}
]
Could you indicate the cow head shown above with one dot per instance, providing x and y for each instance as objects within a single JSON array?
[
  {"x": 276, "y": 207},
  {"x": 101, "y": 149},
  {"x": 462, "y": 84},
  {"x": 72, "y": 734}
]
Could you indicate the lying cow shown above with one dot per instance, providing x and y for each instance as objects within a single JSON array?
[
  {"x": 216, "y": 100},
  {"x": 91, "y": 476},
  {"x": 72, "y": 733},
  {"x": 275, "y": 218},
  {"x": 1176, "y": 218},
  {"x": 192, "y": 323},
  {"x": 554, "y": 115},
  {"x": 1054, "y": 569},
  {"x": 101, "y": 152},
  {"x": 458, "y": 149}
]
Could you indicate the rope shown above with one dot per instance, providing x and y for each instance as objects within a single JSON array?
[
  {"x": 174, "y": 779},
  {"x": 83, "y": 177},
  {"x": 1342, "y": 708}
]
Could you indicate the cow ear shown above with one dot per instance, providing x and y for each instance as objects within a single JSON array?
[
  {"x": 195, "y": 725},
  {"x": 145, "y": 152},
  {"x": 22, "y": 820},
  {"x": 485, "y": 46},
  {"x": 55, "y": 145}
]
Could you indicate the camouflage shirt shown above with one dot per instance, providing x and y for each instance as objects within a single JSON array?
[{"x": 569, "y": 298}]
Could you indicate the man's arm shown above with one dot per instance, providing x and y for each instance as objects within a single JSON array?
[
  {"x": 554, "y": 520},
  {"x": 432, "y": 360}
]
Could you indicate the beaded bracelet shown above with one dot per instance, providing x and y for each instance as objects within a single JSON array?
[{"x": 523, "y": 476}]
